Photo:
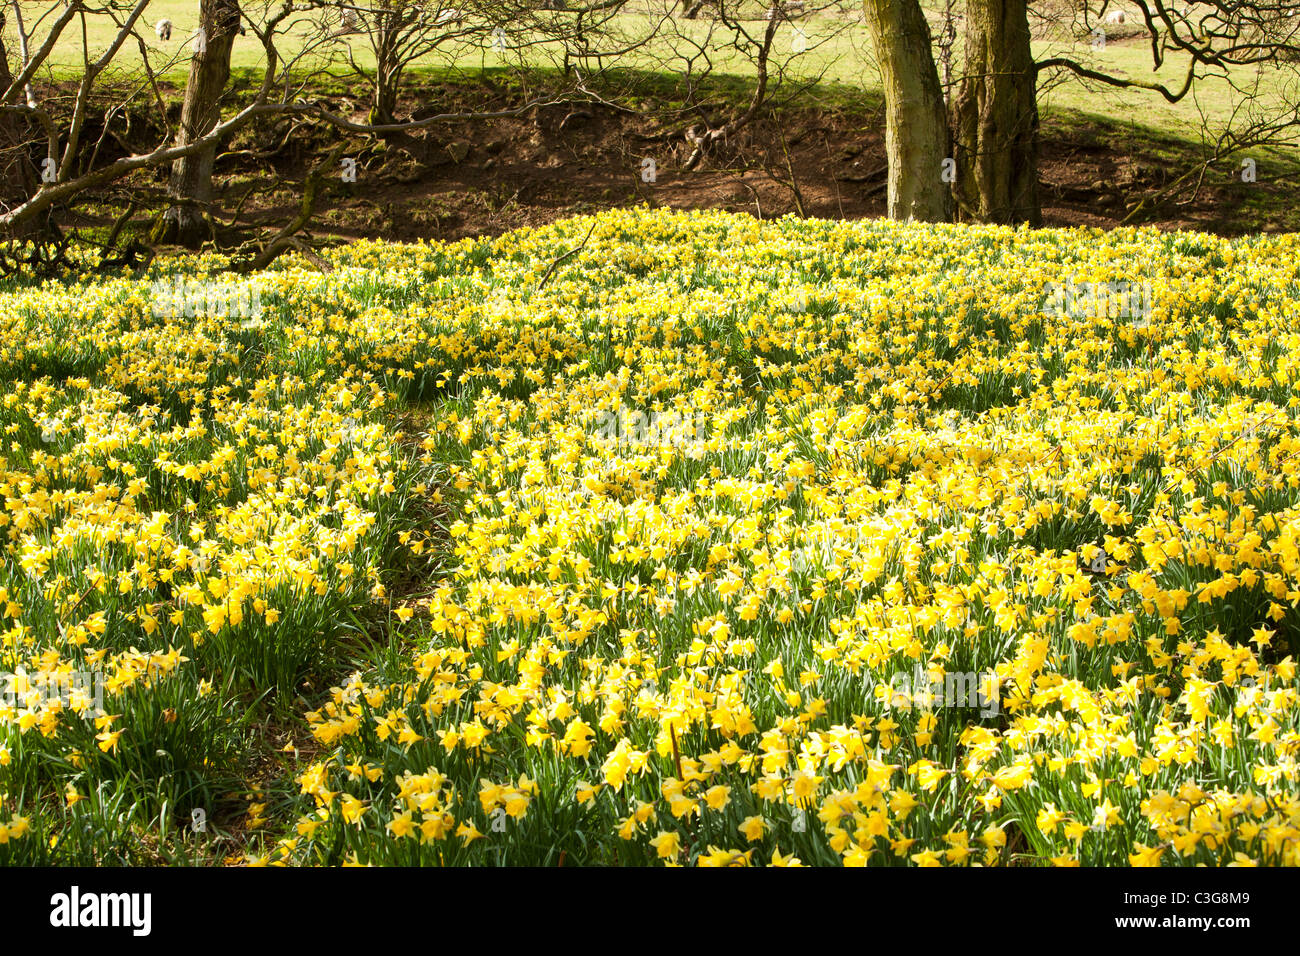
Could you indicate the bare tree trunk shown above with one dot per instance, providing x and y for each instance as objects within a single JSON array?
[
  {"x": 385, "y": 102},
  {"x": 17, "y": 175},
  {"x": 996, "y": 117},
  {"x": 191, "y": 179},
  {"x": 916, "y": 123},
  {"x": 383, "y": 110}
]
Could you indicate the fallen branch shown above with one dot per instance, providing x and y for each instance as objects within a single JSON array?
[
  {"x": 555, "y": 264},
  {"x": 286, "y": 238}
]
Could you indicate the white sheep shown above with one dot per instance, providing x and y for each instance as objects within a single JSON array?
[
  {"x": 1115, "y": 16},
  {"x": 164, "y": 29},
  {"x": 792, "y": 8}
]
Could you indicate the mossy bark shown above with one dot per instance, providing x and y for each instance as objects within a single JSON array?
[
  {"x": 186, "y": 222},
  {"x": 996, "y": 117},
  {"x": 916, "y": 125}
]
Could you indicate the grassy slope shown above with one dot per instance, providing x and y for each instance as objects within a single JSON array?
[{"x": 838, "y": 52}]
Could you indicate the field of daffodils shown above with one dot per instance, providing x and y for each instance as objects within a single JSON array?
[{"x": 658, "y": 538}]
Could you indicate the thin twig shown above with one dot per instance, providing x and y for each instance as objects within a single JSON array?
[{"x": 550, "y": 270}]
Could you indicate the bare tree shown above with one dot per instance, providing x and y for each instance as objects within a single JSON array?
[
  {"x": 44, "y": 129},
  {"x": 191, "y": 181},
  {"x": 1211, "y": 38},
  {"x": 397, "y": 33},
  {"x": 778, "y": 40},
  {"x": 17, "y": 174}
]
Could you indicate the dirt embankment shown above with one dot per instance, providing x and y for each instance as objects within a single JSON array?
[{"x": 471, "y": 178}]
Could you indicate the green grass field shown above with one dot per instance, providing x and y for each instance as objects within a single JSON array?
[{"x": 838, "y": 52}]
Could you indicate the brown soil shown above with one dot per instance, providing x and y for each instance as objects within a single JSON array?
[{"x": 475, "y": 178}]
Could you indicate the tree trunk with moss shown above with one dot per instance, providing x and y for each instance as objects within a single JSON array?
[
  {"x": 916, "y": 123},
  {"x": 996, "y": 117},
  {"x": 190, "y": 187}
]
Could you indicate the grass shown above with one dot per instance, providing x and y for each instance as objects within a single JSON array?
[{"x": 838, "y": 56}]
